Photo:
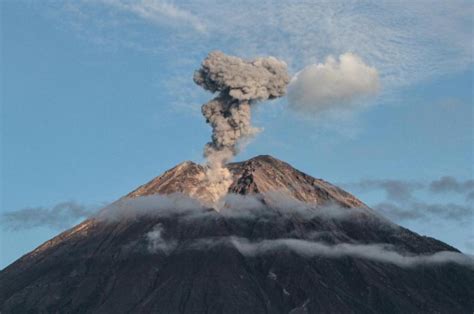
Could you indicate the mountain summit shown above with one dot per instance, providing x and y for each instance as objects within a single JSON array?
[
  {"x": 312, "y": 248},
  {"x": 258, "y": 175}
]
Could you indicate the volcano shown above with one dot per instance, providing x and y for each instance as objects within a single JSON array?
[{"x": 349, "y": 260}]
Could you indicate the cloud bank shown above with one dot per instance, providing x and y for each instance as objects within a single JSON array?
[
  {"x": 376, "y": 252},
  {"x": 272, "y": 204},
  {"x": 380, "y": 252},
  {"x": 336, "y": 85},
  {"x": 149, "y": 206},
  {"x": 265, "y": 205},
  {"x": 401, "y": 204},
  {"x": 307, "y": 247},
  {"x": 236, "y": 207}
]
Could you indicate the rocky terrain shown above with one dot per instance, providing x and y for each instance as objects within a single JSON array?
[{"x": 220, "y": 263}]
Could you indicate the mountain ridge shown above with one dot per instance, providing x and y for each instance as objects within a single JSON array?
[
  {"x": 210, "y": 262},
  {"x": 262, "y": 173}
]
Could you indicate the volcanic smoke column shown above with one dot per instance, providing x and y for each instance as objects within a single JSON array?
[{"x": 240, "y": 83}]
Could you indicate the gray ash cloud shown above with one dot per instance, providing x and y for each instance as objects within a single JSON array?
[{"x": 239, "y": 84}]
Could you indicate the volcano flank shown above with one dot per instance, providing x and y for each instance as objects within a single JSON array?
[{"x": 283, "y": 242}]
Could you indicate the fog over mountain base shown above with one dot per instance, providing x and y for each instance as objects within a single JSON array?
[{"x": 240, "y": 210}]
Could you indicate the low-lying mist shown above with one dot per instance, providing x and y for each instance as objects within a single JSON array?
[{"x": 270, "y": 223}]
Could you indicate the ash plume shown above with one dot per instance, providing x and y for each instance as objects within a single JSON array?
[{"x": 240, "y": 84}]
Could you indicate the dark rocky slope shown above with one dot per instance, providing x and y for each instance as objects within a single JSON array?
[{"x": 107, "y": 267}]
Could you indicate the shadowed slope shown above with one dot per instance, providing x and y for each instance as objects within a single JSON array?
[{"x": 111, "y": 267}]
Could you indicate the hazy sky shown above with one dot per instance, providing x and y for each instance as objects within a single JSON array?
[{"x": 97, "y": 98}]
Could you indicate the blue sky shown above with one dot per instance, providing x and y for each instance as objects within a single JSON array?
[{"x": 97, "y": 98}]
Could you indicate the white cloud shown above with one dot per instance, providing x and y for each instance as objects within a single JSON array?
[
  {"x": 158, "y": 12},
  {"x": 377, "y": 252},
  {"x": 235, "y": 206},
  {"x": 406, "y": 42},
  {"x": 149, "y": 206},
  {"x": 156, "y": 242},
  {"x": 333, "y": 85}
]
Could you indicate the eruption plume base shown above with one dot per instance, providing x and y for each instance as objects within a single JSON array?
[{"x": 239, "y": 83}]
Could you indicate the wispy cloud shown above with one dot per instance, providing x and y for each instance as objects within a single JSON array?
[
  {"x": 377, "y": 252},
  {"x": 238, "y": 207},
  {"x": 271, "y": 204},
  {"x": 449, "y": 184},
  {"x": 307, "y": 244},
  {"x": 156, "y": 242},
  {"x": 158, "y": 12},
  {"x": 59, "y": 216},
  {"x": 396, "y": 190},
  {"x": 149, "y": 206},
  {"x": 461, "y": 213},
  {"x": 406, "y": 41},
  {"x": 403, "y": 203}
]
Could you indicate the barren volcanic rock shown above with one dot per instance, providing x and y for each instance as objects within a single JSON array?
[
  {"x": 187, "y": 264},
  {"x": 257, "y": 175}
]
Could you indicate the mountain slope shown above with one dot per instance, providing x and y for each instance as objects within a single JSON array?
[
  {"x": 257, "y": 175},
  {"x": 179, "y": 263}
]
